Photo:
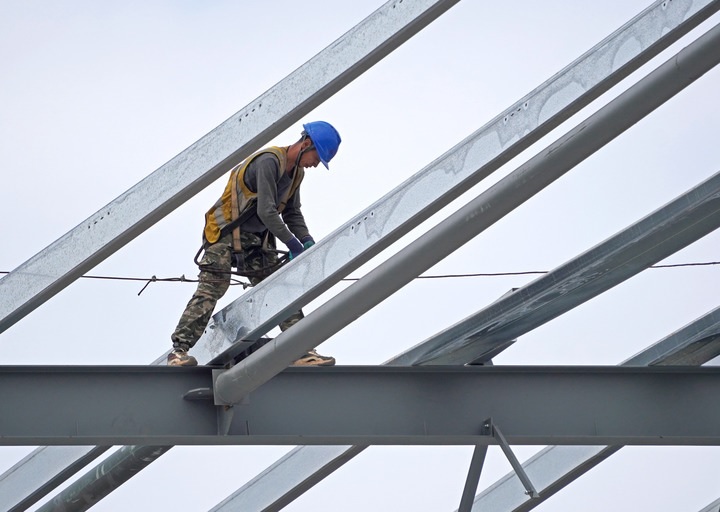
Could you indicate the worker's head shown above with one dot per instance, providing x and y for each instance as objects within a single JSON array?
[{"x": 324, "y": 141}]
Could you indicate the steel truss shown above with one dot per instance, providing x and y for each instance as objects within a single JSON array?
[{"x": 475, "y": 158}]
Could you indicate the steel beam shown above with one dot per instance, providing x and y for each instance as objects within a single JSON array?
[
  {"x": 667, "y": 230},
  {"x": 473, "y": 477},
  {"x": 713, "y": 507},
  {"x": 116, "y": 224},
  {"x": 288, "y": 478},
  {"x": 514, "y": 462},
  {"x": 368, "y": 405},
  {"x": 687, "y": 219}
]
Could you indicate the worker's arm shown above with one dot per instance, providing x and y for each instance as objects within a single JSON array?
[
  {"x": 294, "y": 219},
  {"x": 267, "y": 175}
]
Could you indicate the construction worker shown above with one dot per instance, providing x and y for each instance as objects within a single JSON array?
[{"x": 261, "y": 203}]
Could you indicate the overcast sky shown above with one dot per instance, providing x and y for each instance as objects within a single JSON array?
[{"x": 97, "y": 95}]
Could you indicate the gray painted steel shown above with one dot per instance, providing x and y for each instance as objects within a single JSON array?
[
  {"x": 116, "y": 224},
  {"x": 555, "y": 467},
  {"x": 688, "y": 218},
  {"x": 370, "y": 405},
  {"x": 473, "y": 477},
  {"x": 505, "y": 136},
  {"x": 514, "y": 462}
]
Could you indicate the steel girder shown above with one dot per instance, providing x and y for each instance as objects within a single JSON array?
[{"x": 365, "y": 405}]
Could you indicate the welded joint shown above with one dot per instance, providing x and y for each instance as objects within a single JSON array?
[{"x": 489, "y": 428}]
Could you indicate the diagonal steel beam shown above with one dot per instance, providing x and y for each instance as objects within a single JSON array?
[
  {"x": 662, "y": 233},
  {"x": 41, "y": 471},
  {"x": 713, "y": 507},
  {"x": 116, "y": 224},
  {"x": 473, "y": 477},
  {"x": 430, "y": 405},
  {"x": 128, "y": 460},
  {"x": 615, "y": 57}
]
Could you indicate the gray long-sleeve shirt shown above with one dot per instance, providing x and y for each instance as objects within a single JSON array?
[{"x": 265, "y": 177}]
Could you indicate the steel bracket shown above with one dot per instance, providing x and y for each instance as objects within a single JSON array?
[{"x": 489, "y": 428}]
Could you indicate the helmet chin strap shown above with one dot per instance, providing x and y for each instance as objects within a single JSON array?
[{"x": 302, "y": 151}]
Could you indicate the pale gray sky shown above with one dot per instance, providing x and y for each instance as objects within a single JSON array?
[{"x": 96, "y": 96}]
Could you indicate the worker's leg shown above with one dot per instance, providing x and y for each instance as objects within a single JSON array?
[{"x": 214, "y": 276}]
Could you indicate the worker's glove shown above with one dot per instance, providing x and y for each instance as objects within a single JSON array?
[
  {"x": 295, "y": 247},
  {"x": 307, "y": 242}
]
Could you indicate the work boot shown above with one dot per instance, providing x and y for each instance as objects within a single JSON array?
[
  {"x": 312, "y": 358},
  {"x": 180, "y": 357}
]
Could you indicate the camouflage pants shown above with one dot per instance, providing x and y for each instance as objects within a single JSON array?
[{"x": 215, "y": 273}]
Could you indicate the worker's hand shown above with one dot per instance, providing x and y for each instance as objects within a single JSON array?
[
  {"x": 307, "y": 242},
  {"x": 295, "y": 247}
]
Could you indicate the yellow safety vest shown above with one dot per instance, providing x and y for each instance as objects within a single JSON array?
[{"x": 237, "y": 197}]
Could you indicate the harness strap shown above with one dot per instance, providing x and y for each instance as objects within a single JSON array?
[{"x": 236, "y": 215}]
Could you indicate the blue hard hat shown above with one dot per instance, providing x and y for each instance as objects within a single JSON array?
[{"x": 326, "y": 139}]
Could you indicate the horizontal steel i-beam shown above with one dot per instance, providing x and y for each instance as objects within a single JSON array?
[{"x": 364, "y": 405}]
